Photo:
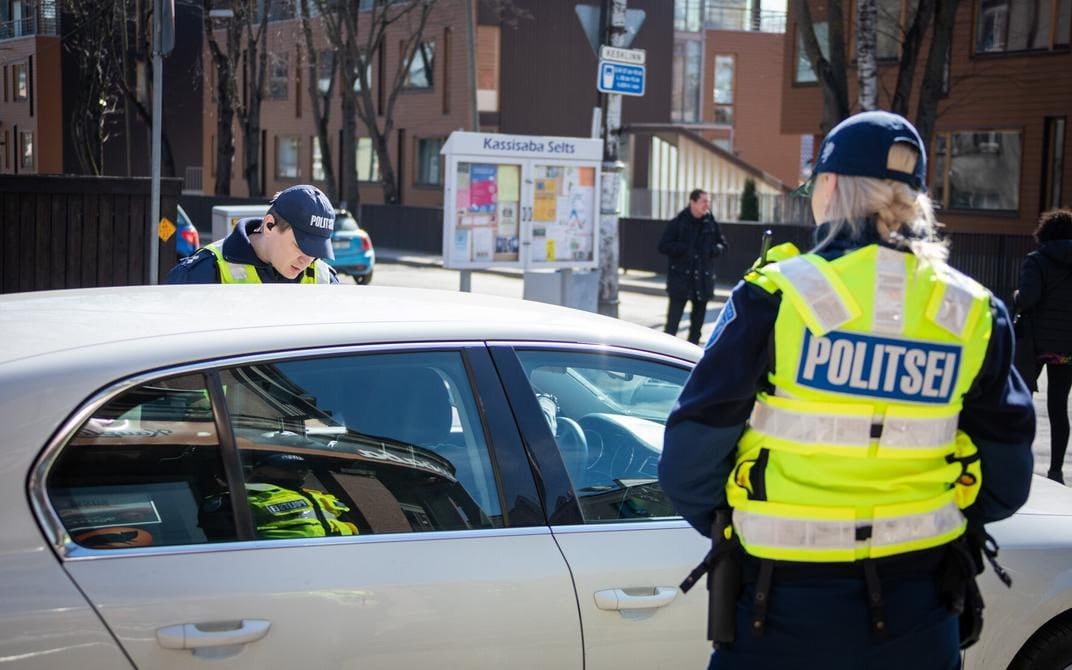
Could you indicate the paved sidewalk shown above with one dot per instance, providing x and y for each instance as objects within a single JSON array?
[
  {"x": 653, "y": 283},
  {"x": 635, "y": 281}
]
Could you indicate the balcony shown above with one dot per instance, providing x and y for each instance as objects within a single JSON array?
[
  {"x": 692, "y": 16},
  {"x": 24, "y": 19},
  {"x": 723, "y": 17}
]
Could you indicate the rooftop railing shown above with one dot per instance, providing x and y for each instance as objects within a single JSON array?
[{"x": 40, "y": 18}]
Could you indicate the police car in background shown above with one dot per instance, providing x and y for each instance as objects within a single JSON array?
[
  {"x": 352, "y": 245},
  {"x": 472, "y": 484}
]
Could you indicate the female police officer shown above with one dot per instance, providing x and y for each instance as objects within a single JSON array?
[{"x": 856, "y": 409}]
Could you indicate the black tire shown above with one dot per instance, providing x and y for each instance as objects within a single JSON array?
[
  {"x": 363, "y": 279},
  {"x": 1048, "y": 649}
]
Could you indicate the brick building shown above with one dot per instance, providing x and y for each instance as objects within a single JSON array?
[
  {"x": 997, "y": 157},
  {"x": 30, "y": 107}
]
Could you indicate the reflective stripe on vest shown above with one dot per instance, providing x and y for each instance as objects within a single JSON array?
[
  {"x": 890, "y": 280},
  {"x": 817, "y": 295},
  {"x": 837, "y": 540},
  {"x": 823, "y": 424},
  {"x": 241, "y": 273}
]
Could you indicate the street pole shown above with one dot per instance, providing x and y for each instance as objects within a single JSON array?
[
  {"x": 158, "y": 118},
  {"x": 610, "y": 188}
]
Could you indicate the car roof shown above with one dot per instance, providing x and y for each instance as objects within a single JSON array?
[{"x": 172, "y": 324}]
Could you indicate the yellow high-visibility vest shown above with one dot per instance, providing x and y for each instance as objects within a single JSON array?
[
  {"x": 240, "y": 273},
  {"x": 857, "y": 454},
  {"x": 281, "y": 513}
]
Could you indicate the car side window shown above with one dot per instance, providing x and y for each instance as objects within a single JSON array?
[
  {"x": 607, "y": 413},
  {"x": 136, "y": 472},
  {"x": 361, "y": 444}
]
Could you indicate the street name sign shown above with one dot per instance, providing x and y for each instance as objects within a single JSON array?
[
  {"x": 619, "y": 55},
  {"x": 621, "y": 78}
]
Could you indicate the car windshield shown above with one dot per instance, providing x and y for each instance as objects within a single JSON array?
[{"x": 345, "y": 222}]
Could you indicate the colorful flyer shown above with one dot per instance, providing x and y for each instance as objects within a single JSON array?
[
  {"x": 509, "y": 183},
  {"x": 545, "y": 203},
  {"x": 482, "y": 187}
]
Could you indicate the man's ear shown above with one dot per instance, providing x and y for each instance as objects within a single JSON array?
[{"x": 268, "y": 221}]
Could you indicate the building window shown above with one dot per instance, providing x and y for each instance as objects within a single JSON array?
[
  {"x": 20, "y": 75},
  {"x": 805, "y": 74},
  {"x": 368, "y": 163},
  {"x": 688, "y": 15},
  {"x": 977, "y": 170},
  {"x": 26, "y": 149},
  {"x": 287, "y": 148},
  {"x": 685, "y": 95},
  {"x": 325, "y": 65},
  {"x": 318, "y": 160},
  {"x": 487, "y": 68},
  {"x": 429, "y": 162},
  {"x": 368, "y": 76},
  {"x": 422, "y": 67},
  {"x": 891, "y": 19},
  {"x": 278, "y": 64},
  {"x": 724, "y": 90},
  {"x": 1021, "y": 25},
  {"x": 1053, "y": 166}
]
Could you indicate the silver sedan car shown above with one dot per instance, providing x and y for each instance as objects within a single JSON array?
[{"x": 426, "y": 479}]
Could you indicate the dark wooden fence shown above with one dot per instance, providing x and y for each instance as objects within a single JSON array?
[{"x": 62, "y": 231}]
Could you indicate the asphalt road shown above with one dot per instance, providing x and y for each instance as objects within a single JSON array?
[{"x": 644, "y": 309}]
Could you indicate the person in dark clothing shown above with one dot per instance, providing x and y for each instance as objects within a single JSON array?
[
  {"x": 693, "y": 241},
  {"x": 288, "y": 245},
  {"x": 1045, "y": 298}
]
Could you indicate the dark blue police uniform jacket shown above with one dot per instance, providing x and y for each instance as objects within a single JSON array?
[{"x": 201, "y": 267}]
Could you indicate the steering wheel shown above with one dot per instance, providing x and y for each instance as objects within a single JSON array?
[{"x": 573, "y": 446}]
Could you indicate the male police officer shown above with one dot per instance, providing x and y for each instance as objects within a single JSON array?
[{"x": 286, "y": 246}]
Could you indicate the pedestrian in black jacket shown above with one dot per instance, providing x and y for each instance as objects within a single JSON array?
[
  {"x": 1045, "y": 298},
  {"x": 693, "y": 241}
]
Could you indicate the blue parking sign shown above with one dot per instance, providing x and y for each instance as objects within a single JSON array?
[{"x": 621, "y": 78}]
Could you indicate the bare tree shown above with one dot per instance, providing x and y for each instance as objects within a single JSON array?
[
  {"x": 831, "y": 72},
  {"x": 866, "y": 62},
  {"x": 358, "y": 31},
  {"x": 252, "y": 17},
  {"x": 321, "y": 90},
  {"x": 225, "y": 64},
  {"x": 910, "y": 46},
  {"x": 97, "y": 102},
  {"x": 936, "y": 69}
]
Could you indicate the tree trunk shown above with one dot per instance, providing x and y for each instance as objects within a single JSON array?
[
  {"x": 225, "y": 64},
  {"x": 224, "y": 131},
  {"x": 348, "y": 98},
  {"x": 830, "y": 73},
  {"x": 257, "y": 68},
  {"x": 866, "y": 65},
  {"x": 906, "y": 68},
  {"x": 321, "y": 103},
  {"x": 931, "y": 89}
]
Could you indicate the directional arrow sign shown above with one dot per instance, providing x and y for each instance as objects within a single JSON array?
[{"x": 620, "y": 78}]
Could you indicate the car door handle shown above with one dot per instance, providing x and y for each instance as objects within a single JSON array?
[
  {"x": 216, "y": 634},
  {"x": 619, "y": 599}
]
